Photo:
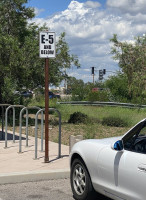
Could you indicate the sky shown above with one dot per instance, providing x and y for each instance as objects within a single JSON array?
[{"x": 89, "y": 26}]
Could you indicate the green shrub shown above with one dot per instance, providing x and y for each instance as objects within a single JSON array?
[
  {"x": 78, "y": 117},
  {"x": 98, "y": 96},
  {"x": 114, "y": 121}
]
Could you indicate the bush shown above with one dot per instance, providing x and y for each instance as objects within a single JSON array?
[
  {"x": 78, "y": 117},
  {"x": 98, "y": 96},
  {"x": 114, "y": 121}
]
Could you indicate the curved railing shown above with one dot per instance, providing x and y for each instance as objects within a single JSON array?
[
  {"x": 36, "y": 131},
  {"x": 13, "y": 107}
]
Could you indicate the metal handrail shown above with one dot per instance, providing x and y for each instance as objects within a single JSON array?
[
  {"x": 20, "y": 126},
  {"x": 36, "y": 126},
  {"x": 36, "y": 131},
  {"x": 2, "y": 106},
  {"x": 6, "y": 121}
]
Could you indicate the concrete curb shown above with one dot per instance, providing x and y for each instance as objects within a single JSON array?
[{"x": 33, "y": 176}]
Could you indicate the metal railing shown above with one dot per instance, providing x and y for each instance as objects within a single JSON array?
[
  {"x": 3, "y": 106},
  {"x": 13, "y": 107},
  {"x": 6, "y": 121},
  {"x": 98, "y": 103},
  {"x": 26, "y": 128},
  {"x": 36, "y": 132}
]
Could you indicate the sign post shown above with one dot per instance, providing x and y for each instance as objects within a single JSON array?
[
  {"x": 47, "y": 50},
  {"x": 46, "y": 110}
]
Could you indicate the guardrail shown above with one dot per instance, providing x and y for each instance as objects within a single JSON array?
[{"x": 98, "y": 103}]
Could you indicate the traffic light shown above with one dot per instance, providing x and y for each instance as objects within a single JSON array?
[
  {"x": 92, "y": 70},
  {"x": 100, "y": 74},
  {"x": 104, "y": 71}
]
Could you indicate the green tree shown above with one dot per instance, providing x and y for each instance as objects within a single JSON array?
[
  {"x": 13, "y": 29},
  {"x": 118, "y": 86},
  {"x": 63, "y": 61},
  {"x": 77, "y": 88},
  {"x": 132, "y": 60},
  {"x": 100, "y": 95},
  {"x": 83, "y": 91},
  {"x": 20, "y": 65}
]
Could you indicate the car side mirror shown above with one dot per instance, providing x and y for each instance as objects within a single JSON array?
[{"x": 118, "y": 146}]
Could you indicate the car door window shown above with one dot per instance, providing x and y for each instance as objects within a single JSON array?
[
  {"x": 142, "y": 133},
  {"x": 137, "y": 141}
]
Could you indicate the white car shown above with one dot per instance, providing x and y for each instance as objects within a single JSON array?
[{"x": 114, "y": 167}]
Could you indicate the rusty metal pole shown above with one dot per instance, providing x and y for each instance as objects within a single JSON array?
[{"x": 46, "y": 110}]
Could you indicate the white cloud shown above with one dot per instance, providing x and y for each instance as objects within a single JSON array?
[
  {"x": 38, "y": 11},
  {"x": 92, "y": 4},
  {"x": 89, "y": 28},
  {"x": 128, "y": 6},
  {"x": 86, "y": 70},
  {"x": 137, "y": 19}
]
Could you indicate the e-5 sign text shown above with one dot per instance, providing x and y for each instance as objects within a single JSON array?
[{"x": 47, "y": 45}]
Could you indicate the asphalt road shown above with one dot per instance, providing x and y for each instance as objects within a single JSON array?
[{"x": 42, "y": 190}]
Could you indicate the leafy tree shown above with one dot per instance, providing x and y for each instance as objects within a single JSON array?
[
  {"x": 100, "y": 95},
  {"x": 20, "y": 65},
  {"x": 83, "y": 91},
  {"x": 13, "y": 28},
  {"x": 118, "y": 86},
  {"x": 63, "y": 61},
  {"x": 132, "y": 60},
  {"x": 77, "y": 88}
]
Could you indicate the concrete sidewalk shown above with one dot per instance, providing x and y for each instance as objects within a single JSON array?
[{"x": 22, "y": 167}]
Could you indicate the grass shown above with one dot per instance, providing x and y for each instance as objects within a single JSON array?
[
  {"x": 40, "y": 102},
  {"x": 97, "y": 130},
  {"x": 93, "y": 128},
  {"x": 132, "y": 116}
]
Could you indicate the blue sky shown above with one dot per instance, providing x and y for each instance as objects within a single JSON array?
[
  {"x": 89, "y": 25},
  {"x": 52, "y": 6}
]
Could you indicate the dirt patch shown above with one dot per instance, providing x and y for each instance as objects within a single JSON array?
[{"x": 88, "y": 131}]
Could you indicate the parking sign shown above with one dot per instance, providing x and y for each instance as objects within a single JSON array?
[{"x": 47, "y": 45}]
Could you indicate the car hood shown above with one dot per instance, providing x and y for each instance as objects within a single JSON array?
[
  {"x": 105, "y": 141},
  {"x": 87, "y": 147},
  {"x": 98, "y": 144}
]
